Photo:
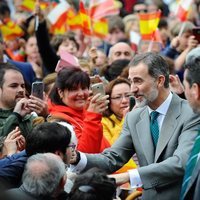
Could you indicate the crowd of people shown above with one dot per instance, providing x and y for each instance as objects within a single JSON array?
[{"x": 73, "y": 144}]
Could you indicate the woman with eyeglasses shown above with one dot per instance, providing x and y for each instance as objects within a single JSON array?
[{"x": 119, "y": 91}]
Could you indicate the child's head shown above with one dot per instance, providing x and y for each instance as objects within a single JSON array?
[
  {"x": 65, "y": 43},
  {"x": 186, "y": 33}
]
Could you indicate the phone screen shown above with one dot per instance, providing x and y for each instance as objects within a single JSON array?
[
  {"x": 131, "y": 103},
  {"x": 98, "y": 88},
  {"x": 37, "y": 89}
]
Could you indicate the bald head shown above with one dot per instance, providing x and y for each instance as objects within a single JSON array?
[
  {"x": 119, "y": 51},
  {"x": 43, "y": 174}
]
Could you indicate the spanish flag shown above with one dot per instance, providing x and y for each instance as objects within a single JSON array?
[
  {"x": 28, "y": 5},
  {"x": 10, "y": 30},
  {"x": 73, "y": 20},
  {"x": 148, "y": 24},
  {"x": 85, "y": 19},
  {"x": 100, "y": 28}
]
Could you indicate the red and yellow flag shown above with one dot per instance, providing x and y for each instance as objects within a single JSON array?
[
  {"x": 58, "y": 18},
  {"x": 148, "y": 24},
  {"x": 85, "y": 19},
  {"x": 183, "y": 9},
  {"x": 100, "y": 28},
  {"x": 28, "y": 5},
  {"x": 73, "y": 20},
  {"x": 10, "y": 30}
]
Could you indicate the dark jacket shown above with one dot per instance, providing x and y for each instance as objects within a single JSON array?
[
  {"x": 21, "y": 194},
  {"x": 48, "y": 54},
  {"x": 9, "y": 120},
  {"x": 11, "y": 169}
]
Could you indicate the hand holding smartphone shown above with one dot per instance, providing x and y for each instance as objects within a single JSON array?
[
  {"x": 98, "y": 88},
  {"x": 37, "y": 89}
]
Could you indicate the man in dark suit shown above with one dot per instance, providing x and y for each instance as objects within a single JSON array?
[
  {"x": 191, "y": 182},
  {"x": 162, "y": 144}
]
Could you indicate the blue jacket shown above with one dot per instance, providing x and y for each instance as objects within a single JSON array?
[{"x": 11, "y": 169}]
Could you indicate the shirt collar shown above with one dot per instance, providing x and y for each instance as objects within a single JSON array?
[{"x": 162, "y": 109}]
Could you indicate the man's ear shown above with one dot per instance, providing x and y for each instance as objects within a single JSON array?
[
  {"x": 161, "y": 81},
  {"x": 195, "y": 91},
  {"x": 60, "y": 92},
  {"x": 59, "y": 153}
]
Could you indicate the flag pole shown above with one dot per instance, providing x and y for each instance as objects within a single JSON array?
[
  {"x": 150, "y": 46},
  {"x": 37, "y": 4},
  {"x": 181, "y": 30},
  {"x": 91, "y": 27}
]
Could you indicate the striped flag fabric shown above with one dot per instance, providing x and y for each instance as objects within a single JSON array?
[
  {"x": 28, "y": 5},
  {"x": 100, "y": 28},
  {"x": 183, "y": 9},
  {"x": 10, "y": 30},
  {"x": 58, "y": 14},
  {"x": 102, "y": 8},
  {"x": 73, "y": 20},
  {"x": 85, "y": 19},
  {"x": 148, "y": 24}
]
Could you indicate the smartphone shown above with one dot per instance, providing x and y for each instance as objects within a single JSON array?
[
  {"x": 37, "y": 89},
  {"x": 131, "y": 102},
  {"x": 196, "y": 33},
  {"x": 95, "y": 79},
  {"x": 98, "y": 88}
]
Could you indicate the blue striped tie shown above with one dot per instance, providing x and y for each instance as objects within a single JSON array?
[
  {"x": 154, "y": 126},
  {"x": 191, "y": 164}
]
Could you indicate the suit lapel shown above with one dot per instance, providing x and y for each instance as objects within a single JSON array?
[
  {"x": 144, "y": 135},
  {"x": 168, "y": 126}
]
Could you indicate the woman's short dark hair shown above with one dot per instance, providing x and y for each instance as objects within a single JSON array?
[
  {"x": 93, "y": 185},
  {"x": 69, "y": 79}
]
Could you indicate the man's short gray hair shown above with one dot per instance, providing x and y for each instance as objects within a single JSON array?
[{"x": 43, "y": 173}]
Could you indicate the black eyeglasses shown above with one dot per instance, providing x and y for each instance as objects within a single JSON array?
[
  {"x": 140, "y": 11},
  {"x": 120, "y": 97},
  {"x": 72, "y": 145}
]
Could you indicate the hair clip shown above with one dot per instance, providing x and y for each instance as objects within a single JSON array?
[{"x": 86, "y": 188}]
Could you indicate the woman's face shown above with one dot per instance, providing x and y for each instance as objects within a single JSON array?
[
  {"x": 31, "y": 49},
  {"x": 120, "y": 98},
  {"x": 75, "y": 99}
]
